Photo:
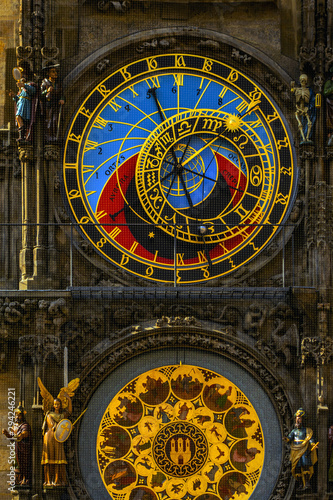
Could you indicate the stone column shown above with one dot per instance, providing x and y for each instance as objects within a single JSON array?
[
  {"x": 28, "y": 205},
  {"x": 51, "y": 158}
]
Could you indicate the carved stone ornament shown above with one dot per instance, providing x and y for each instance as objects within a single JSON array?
[
  {"x": 146, "y": 341},
  {"x": 50, "y": 56},
  {"x": 308, "y": 56},
  {"x": 177, "y": 321},
  {"x": 240, "y": 57},
  {"x": 276, "y": 330},
  {"x": 102, "y": 65},
  {"x": 24, "y": 55},
  {"x": 105, "y": 5},
  {"x": 320, "y": 349},
  {"x": 328, "y": 58},
  {"x": 278, "y": 86},
  {"x": 9, "y": 159},
  {"x": 318, "y": 81},
  {"x": 38, "y": 348},
  {"x": 209, "y": 44},
  {"x": 26, "y": 153},
  {"x": 45, "y": 317},
  {"x": 307, "y": 152},
  {"x": 51, "y": 152},
  {"x": 154, "y": 44}
]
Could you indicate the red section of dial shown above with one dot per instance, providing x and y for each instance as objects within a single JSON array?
[
  {"x": 112, "y": 202},
  {"x": 233, "y": 176}
]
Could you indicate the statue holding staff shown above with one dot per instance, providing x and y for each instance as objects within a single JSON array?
[{"x": 303, "y": 454}]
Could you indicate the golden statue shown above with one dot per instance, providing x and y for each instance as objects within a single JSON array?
[{"x": 56, "y": 428}]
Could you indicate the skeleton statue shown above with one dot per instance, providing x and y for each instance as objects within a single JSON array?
[{"x": 305, "y": 108}]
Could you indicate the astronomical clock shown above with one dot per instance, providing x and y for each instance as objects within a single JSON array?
[{"x": 178, "y": 169}]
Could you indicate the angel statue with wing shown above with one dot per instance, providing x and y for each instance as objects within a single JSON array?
[{"x": 56, "y": 410}]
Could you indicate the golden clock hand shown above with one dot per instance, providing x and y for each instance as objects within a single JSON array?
[
  {"x": 163, "y": 118},
  {"x": 170, "y": 163},
  {"x": 187, "y": 170},
  {"x": 202, "y": 232},
  {"x": 251, "y": 107},
  {"x": 190, "y": 158}
]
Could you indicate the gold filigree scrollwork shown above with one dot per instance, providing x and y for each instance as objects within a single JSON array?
[
  {"x": 50, "y": 55},
  {"x": 25, "y": 55},
  {"x": 320, "y": 349}
]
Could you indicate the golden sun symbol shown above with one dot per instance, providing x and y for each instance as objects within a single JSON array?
[{"x": 232, "y": 123}]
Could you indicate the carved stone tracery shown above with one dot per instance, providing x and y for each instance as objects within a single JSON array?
[
  {"x": 275, "y": 327},
  {"x": 39, "y": 348},
  {"x": 319, "y": 349}
]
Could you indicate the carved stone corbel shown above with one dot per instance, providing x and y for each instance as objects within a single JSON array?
[
  {"x": 26, "y": 153},
  {"x": 51, "y": 152}
]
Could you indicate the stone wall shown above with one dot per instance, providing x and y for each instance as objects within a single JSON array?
[{"x": 8, "y": 40}]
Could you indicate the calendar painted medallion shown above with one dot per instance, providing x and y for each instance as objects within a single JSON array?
[
  {"x": 179, "y": 432},
  {"x": 179, "y": 168}
]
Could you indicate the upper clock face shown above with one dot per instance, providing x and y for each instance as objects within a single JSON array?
[{"x": 178, "y": 168}]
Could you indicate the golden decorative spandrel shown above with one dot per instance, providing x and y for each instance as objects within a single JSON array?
[{"x": 179, "y": 432}]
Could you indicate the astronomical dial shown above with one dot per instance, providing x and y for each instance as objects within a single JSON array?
[{"x": 179, "y": 168}]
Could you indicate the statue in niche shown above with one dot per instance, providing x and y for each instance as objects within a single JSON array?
[
  {"x": 21, "y": 434},
  {"x": 56, "y": 410},
  {"x": 52, "y": 102},
  {"x": 303, "y": 453},
  {"x": 305, "y": 109},
  {"x": 328, "y": 94},
  {"x": 25, "y": 105}
]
